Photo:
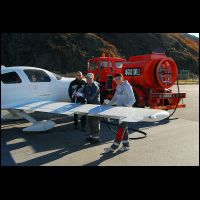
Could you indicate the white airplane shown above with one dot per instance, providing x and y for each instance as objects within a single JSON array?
[{"x": 30, "y": 89}]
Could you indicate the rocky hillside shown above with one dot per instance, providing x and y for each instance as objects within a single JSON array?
[{"x": 68, "y": 52}]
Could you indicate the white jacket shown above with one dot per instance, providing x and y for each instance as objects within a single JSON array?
[{"x": 124, "y": 95}]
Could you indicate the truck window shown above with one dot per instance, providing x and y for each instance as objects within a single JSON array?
[
  {"x": 104, "y": 63},
  {"x": 10, "y": 78},
  {"x": 110, "y": 64},
  {"x": 93, "y": 65},
  {"x": 118, "y": 65},
  {"x": 37, "y": 75}
]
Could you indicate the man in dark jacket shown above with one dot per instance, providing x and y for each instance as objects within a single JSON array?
[
  {"x": 75, "y": 90},
  {"x": 92, "y": 95}
]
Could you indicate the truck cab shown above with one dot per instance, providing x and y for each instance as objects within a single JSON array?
[{"x": 104, "y": 68}]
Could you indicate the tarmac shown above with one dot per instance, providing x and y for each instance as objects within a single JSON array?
[{"x": 173, "y": 142}]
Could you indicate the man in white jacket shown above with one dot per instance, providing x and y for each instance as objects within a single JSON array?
[{"x": 124, "y": 96}]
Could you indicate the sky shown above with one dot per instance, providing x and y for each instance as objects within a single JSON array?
[{"x": 195, "y": 34}]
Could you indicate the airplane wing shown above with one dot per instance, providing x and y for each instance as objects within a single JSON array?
[{"x": 126, "y": 114}]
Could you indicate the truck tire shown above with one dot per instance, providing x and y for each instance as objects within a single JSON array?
[{"x": 136, "y": 104}]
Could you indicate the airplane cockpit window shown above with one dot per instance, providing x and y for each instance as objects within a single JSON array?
[
  {"x": 10, "y": 78},
  {"x": 37, "y": 75}
]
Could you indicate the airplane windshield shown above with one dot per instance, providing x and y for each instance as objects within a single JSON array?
[{"x": 58, "y": 77}]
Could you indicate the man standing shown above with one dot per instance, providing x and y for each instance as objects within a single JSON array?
[
  {"x": 75, "y": 90},
  {"x": 92, "y": 95},
  {"x": 124, "y": 96}
]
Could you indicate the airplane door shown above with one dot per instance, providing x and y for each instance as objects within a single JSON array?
[
  {"x": 12, "y": 89},
  {"x": 39, "y": 85}
]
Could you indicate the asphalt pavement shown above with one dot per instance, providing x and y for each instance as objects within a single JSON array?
[{"x": 169, "y": 143}]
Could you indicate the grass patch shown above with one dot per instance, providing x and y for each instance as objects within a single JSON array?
[{"x": 188, "y": 82}]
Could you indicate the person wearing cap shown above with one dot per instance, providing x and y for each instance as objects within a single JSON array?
[
  {"x": 92, "y": 94},
  {"x": 124, "y": 96},
  {"x": 76, "y": 95}
]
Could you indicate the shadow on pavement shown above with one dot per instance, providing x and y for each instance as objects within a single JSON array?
[
  {"x": 104, "y": 157},
  {"x": 63, "y": 140}
]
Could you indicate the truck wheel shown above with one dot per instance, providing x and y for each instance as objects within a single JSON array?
[{"x": 136, "y": 104}]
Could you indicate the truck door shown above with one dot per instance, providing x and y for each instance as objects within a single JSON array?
[
  {"x": 106, "y": 73},
  {"x": 93, "y": 68}
]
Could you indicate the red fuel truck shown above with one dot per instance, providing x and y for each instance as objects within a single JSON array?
[{"x": 151, "y": 77}]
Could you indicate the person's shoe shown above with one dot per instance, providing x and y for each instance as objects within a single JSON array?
[
  {"x": 123, "y": 148},
  {"x": 109, "y": 149},
  {"x": 89, "y": 139},
  {"x": 95, "y": 140}
]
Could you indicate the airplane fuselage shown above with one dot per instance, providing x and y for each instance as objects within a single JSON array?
[{"x": 27, "y": 84}]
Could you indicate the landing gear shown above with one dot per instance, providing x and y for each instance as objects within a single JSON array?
[
  {"x": 137, "y": 103},
  {"x": 37, "y": 126},
  {"x": 9, "y": 115}
]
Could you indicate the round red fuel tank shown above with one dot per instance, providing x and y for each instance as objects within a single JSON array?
[{"x": 154, "y": 70}]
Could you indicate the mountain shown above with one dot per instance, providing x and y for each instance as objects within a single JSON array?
[
  {"x": 191, "y": 37},
  {"x": 69, "y": 52}
]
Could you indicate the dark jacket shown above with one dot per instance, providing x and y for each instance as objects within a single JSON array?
[
  {"x": 76, "y": 86},
  {"x": 92, "y": 93}
]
